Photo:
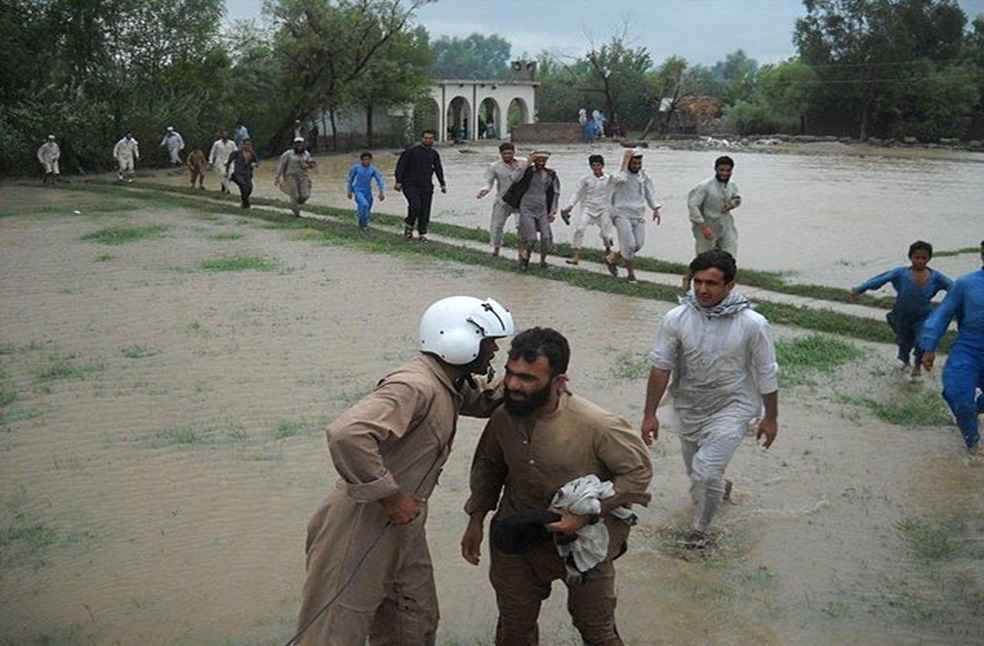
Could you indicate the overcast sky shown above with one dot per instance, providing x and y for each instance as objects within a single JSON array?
[{"x": 703, "y": 31}]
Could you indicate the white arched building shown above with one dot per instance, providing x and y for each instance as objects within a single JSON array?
[{"x": 468, "y": 106}]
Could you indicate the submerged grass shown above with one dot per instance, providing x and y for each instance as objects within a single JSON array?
[
  {"x": 66, "y": 366},
  {"x": 928, "y": 540},
  {"x": 137, "y": 351},
  {"x": 238, "y": 263},
  {"x": 197, "y": 435},
  {"x": 122, "y": 235},
  {"x": 803, "y": 357},
  {"x": 923, "y": 408},
  {"x": 630, "y": 366},
  {"x": 392, "y": 243}
]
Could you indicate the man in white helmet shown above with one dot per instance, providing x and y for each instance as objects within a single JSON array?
[
  {"x": 48, "y": 155},
  {"x": 369, "y": 571}
]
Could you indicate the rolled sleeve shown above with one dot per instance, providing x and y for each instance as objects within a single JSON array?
[
  {"x": 764, "y": 360},
  {"x": 354, "y": 439},
  {"x": 663, "y": 354}
]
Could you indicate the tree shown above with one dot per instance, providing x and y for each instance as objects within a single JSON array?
[
  {"x": 617, "y": 73},
  {"x": 473, "y": 57},
  {"x": 325, "y": 46},
  {"x": 397, "y": 76},
  {"x": 736, "y": 76},
  {"x": 673, "y": 84}
]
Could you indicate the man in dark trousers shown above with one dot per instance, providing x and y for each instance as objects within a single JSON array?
[{"x": 413, "y": 176}]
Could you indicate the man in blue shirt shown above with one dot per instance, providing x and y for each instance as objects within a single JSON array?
[
  {"x": 360, "y": 180},
  {"x": 963, "y": 376}
]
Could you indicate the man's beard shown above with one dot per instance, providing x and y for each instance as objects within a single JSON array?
[
  {"x": 723, "y": 180},
  {"x": 529, "y": 405}
]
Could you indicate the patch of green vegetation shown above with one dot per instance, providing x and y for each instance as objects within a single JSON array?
[
  {"x": 238, "y": 263},
  {"x": 922, "y": 408},
  {"x": 7, "y": 348},
  {"x": 8, "y": 393},
  {"x": 227, "y": 235},
  {"x": 818, "y": 353},
  {"x": 24, "y": 534},
  {"x": 287, "y": 429},
  {"x": 66, "y": 366},
  {"x": 630, "y": 366},
  {"x": 104, "y": 257},
  {"x": 341, "y": 230},
  {"x": 7, "y": 214},
  {"x": 122, "y": 234},
  {"x": 956, "y": 252},
  {"x": 928, "y": 540},
  {"x": 195, "y": 435},
  {"x": 9, "y": 416},
  {"x": 137, "y": 351}
]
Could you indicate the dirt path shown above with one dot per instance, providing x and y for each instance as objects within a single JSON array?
[{"x": 164, "y": 450}]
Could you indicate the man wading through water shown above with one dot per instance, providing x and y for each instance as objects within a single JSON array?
[
  {"x": 632, "y": 192},
  {"x": 723, "y": 361},
  {"x": 414, "y": 170},
  {"x": 710, "y": 204},
  {"x": 292, "y": 175},
  {"x": 366, "y": 545},
  {"x": 499, "y": 175},
  {"x": 535, "y": 193}
]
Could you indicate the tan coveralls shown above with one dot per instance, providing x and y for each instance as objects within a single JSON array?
[
  {"x": 294, "y": 180},
  {"x": 197, "y": 165},
  {"x": 706, "y": 204},
  {"x": 533, "y": 458},
  {"x": 396, "y": 439}
]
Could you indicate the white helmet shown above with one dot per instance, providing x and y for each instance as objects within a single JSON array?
[{"x": 452, "y": 329}]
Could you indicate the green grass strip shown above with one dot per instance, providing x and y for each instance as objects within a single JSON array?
[
  {"x": 393, "y": 244},
  {"x": 122, "y": 235},
  {"x": 772, "y": 281},
  {"x": 956, "y": 252}
]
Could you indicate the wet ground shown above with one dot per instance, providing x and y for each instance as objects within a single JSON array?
[
  {"x": 163, "y": 450},
  {"x": 835, "y": 217}
]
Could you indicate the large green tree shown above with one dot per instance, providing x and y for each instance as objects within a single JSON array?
[{"x": 474, "y": 57}]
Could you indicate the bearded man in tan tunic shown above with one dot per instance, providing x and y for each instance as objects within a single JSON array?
[
  {"x": 541, "y": 440},
  {"x": 369, "y": 571}
]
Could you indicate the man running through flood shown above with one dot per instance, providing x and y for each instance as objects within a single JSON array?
[
  {"x": 963, "y": 375},
  {"x": 594, "y": 194},
  {"x": 633, "y": 192},
  {"x": 535, "y": 193},
  {"x": 360, "y": 179},
  {"x": 414, "y": 170},
  {"x": 126, "y": 152},
  {"x": 48, "y": 154},
  {"x": 710, "y": 204},
  {"x": 722, "y": 358},
  {"x": 915, "y": 286},
  {"x": 218, "y": 158},
  {"x": 499, "y": 175},
  {"x": 292, "y": 175}
]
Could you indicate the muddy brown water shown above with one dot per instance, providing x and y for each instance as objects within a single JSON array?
[
  {"x": 159, "y": 493},
  {"x": 835, "y": 218}
]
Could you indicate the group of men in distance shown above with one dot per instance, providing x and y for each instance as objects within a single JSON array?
[
  {"x": 559, "y": 473},
  {"x": 616, "y": 204}
]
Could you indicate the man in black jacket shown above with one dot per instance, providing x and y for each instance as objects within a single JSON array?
[
  {"x": 413, "y": 176},
  {"x": 535, "y": 193}
]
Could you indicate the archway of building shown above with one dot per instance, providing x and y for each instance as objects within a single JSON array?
[
  {"x": 518, "y": 113},
  {"x": 489, "y": 119},
  {"x": 458, "y": 119}
]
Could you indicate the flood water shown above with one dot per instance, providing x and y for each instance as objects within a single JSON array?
[{"x": 832, "y": 219}]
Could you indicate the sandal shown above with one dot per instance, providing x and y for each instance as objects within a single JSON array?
[{"x": 408, "y": 232}]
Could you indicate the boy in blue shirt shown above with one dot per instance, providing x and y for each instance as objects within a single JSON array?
[
  {"x": 360, "y": 179},
  {"x": 915, "y": 286}
]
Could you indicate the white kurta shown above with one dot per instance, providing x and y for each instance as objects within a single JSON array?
[
  {"x": 218, "y": 157},
  {"x": 594, "y": 194},
  {"x": 126, "y": 151},
  {"x": 706, "y": 204},
  {"x": 48, "y": 155},
  {"x": 175, "y": 144},
  {"x": 632, "y": 193}
]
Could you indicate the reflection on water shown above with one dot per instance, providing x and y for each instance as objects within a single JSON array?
[{"x": 831, "y": 219}]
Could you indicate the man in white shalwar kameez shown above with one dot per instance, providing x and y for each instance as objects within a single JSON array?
[
  {"x": 722, "y": 358},
  {"x": 218, "y": 158},
  {"x": 632, "y": 192},
  {"x": 126, "y": 152},
  {"x": 594, "y": 194},
  {"x": 174, "y": 143},
  {"x": 499, "y": 175},
  {"x": 48, "y": 155}
]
